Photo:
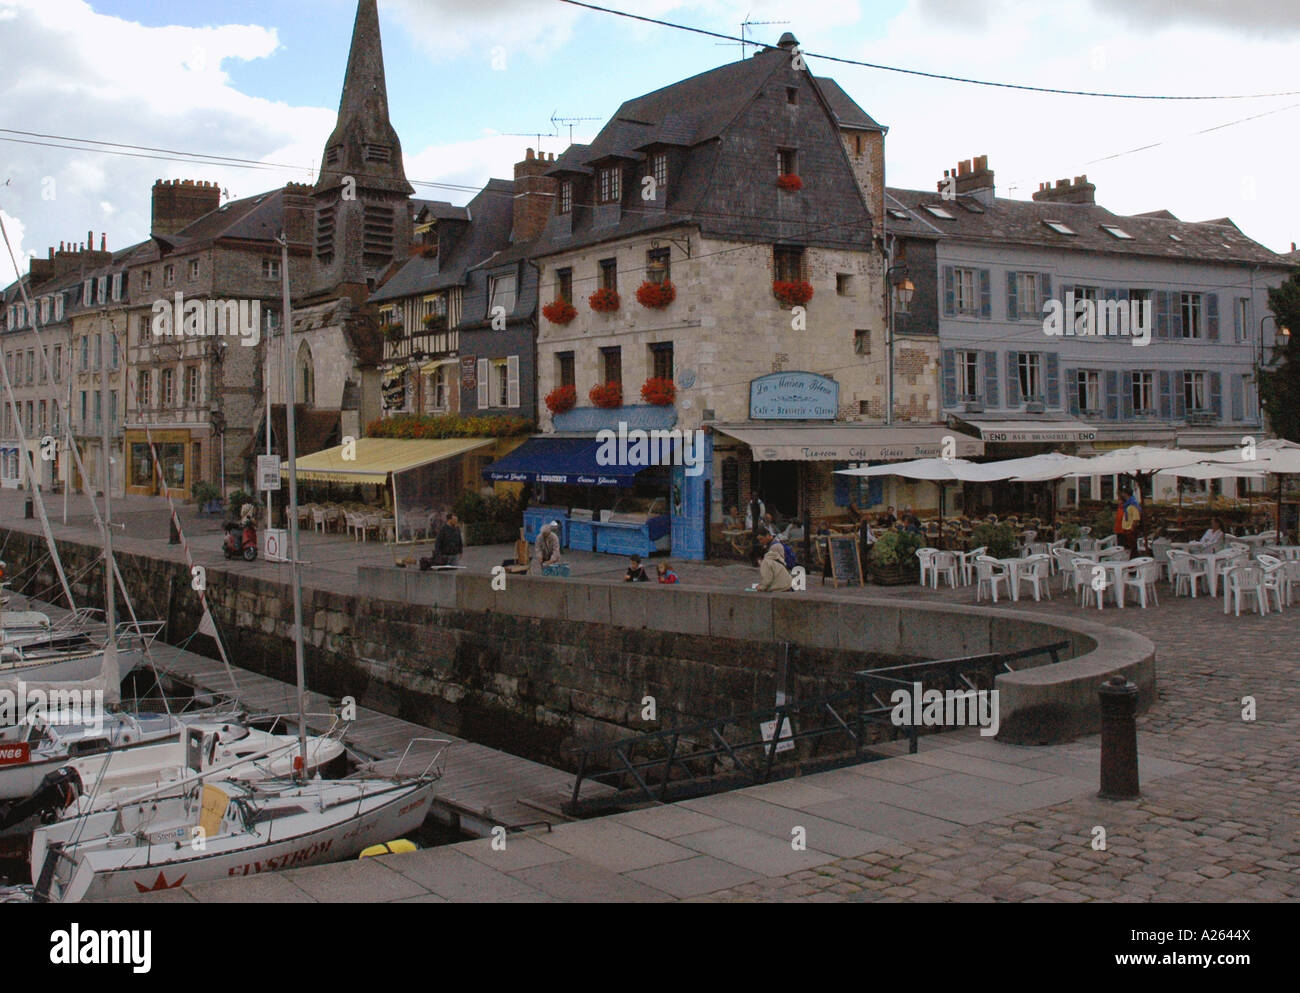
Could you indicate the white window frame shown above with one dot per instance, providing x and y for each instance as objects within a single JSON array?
[
  {"x": 1030, "y": 371},
  {"x": 1144, "y": 392},
  {"x": 1087, "y": 390},
  {"x": 503, "y": 291},
  {"x": 1244, "y": 319},
  {"x": 965, "y": 294},
  {"x": 968, "y": 375},
  {"x": 1028, "y": 306},
  {"x": 1194, "y": 383},
  {"x": 270, "y": 268},
  {"x": 1192, "y": 305}
]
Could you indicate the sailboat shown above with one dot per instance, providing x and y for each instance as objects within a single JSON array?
[{"x": 217, "y": 828}]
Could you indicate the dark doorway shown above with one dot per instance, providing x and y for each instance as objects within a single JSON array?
[{"x": 778, "y": 485}]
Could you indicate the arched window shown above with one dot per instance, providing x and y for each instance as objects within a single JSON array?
[{"x": 305, "y": 387}]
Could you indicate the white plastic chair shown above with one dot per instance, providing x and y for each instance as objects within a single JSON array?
[
  {"x": 1142, "y": 580},
  {"x": 926, "y": 555},
  {"x": 1185, "y": 571},
  {"x": 1160, "y": 549},
  {"x": 1290, "y": 577},
  {"x": 1036, "y": 570},
  {"x": 943, "y": 564},
  {"x": 1275, "y": 580},
  {"x": 1244, "y": 580},
  {"x": 1087, "y": 579},
  {"x": 968, "y": 563},
  {"x": 1052, "y": 549},
  {"x": 318, "y": 519},
  {"x": 1063, "y": 560},
  {"x": 1110, "y": 541},
  {"x": 355, "y": 526},
  {"x": 989, "y": 572}
]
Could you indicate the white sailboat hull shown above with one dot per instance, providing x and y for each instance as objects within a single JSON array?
[{"x": 319, "y": 837}]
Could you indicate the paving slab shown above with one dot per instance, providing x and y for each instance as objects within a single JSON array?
[
  {"x": 456, "y": 877},
  {"x": 265, "y": 887},
  {"x": 577, "y": 881},
  {"x": 669, "y": 821},
  {"x": 357, "y": 881},
  {"x": 613, "y": 846},
  {"x": 519, "y": 853},
  {"x": 754, "y": 850},
  {"x": 694, "y": 876}
]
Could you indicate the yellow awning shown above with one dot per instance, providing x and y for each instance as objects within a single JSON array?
[
  {"x": 376, "y": 458},
  {"x": 431, "y": 367}
]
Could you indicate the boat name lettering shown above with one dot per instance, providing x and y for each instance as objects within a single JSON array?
[{"x": 278, "y": 862}]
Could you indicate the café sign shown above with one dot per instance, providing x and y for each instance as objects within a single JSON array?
[{"x": 794, "y": 396}]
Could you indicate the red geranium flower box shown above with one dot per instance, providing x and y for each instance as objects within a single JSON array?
[
  {"x": 607, "y": 395},
  {"x": 789, "y": 182},
  {"x": 561, "y": 398},
  {"x": 658, "y": 391},
  {"x": 792, "y": 294},
  {"x": 656, "y": 295},
  {"x": 559, "y": 311},
  {"x": 604, "y": 301}
]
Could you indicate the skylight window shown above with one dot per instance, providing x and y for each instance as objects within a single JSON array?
[
  {"x": 1060, "y": 227},
  {"x": 939, "y": 212},
  {"x": 898, "y": 215},
  {"x": 974, "y": 206},
  {"x": 1175, "y": 237},
  {"x": 1117, "y": 232}
]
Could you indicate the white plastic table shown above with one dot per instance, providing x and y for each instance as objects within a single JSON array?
[
  {"x": 1283, "y": 552},
  {"x": 1213, "y": 566},
  {"x": 1014, "y": 567},
  {"x": 1115, "y": 569}
]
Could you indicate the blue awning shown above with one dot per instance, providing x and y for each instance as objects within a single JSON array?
[{"x": 559, "y": 460}]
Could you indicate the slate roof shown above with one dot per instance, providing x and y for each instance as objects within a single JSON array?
[
  {"x": 492, "y": 210},
  {"x": 438, "y": 210},
  {"x": 255, "y": 218},
  {"x": 846, "y": 109},
  {"x": 1020, "y": 222}
]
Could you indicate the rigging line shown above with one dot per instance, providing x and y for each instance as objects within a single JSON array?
[{"x": 934, "y": 75}]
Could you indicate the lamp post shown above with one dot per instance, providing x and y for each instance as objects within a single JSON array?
[
  {"x": 1281, "y": 336},
  {"x": 900, "y": 295}
]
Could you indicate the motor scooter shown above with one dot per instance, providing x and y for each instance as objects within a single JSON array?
[{"x": 241, "y": 540}]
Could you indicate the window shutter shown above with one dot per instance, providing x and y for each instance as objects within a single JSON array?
[
  {"x": 1238, "y": 398},
  {"x": 1175, "y": 314},
  {"x": 1216, "y": 394},
  {"x": 949, "y": 291},
  {"x": 949, "y": 377},
  {"x": 1013, "y": 310},
  {"x": 991, "y": 398},
  {"x": 1013, "y": 379},
  {"x": 1166, "y": 396},
  {"x": 1161, "y": 304},
  {"x": 986, "y": 294},
  {"x": 484, "y": 387},
  {"x": 1112, "y": 395},
  {"x": 845, "y": 486},
  {"x": 1053, "y": 362},
  {"x": 512, "y": 380},
  {"x": 1044, "y": 290},
  {"x": 1180, "y": 396},
  {"x": 1212, "y": 316},
  {"x": 1072, "y": 384},
  {"x": 1236, "y": 320},
  {"x": 1126, "y": 396}
]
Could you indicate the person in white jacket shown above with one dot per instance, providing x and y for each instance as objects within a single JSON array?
[{"x": 773, "y": 576}]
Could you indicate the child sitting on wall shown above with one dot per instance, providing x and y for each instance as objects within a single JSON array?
[{"x": 635, "y": 571}]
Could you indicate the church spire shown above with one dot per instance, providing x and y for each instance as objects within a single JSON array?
[{"x": 364, "y": 144}]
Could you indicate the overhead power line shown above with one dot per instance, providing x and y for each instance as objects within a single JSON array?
[{"x": 932, "y": 75}]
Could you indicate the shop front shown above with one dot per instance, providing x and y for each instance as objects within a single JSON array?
[
  {"x": 1021, "y": 437},
  {"x": 180, "y": 459}
]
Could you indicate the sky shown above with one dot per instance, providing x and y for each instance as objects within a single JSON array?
[{"x": 471, "y": 85}]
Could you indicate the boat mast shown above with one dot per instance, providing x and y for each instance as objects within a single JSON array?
[
  {"x": 291, "y": 449},
  {"x": 110, "y": 599}
]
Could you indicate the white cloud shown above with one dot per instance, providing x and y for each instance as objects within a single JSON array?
[{"x": 16, "y": 230}]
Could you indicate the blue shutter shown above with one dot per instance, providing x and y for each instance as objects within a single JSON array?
[
  {"x": 986, "y": 294},
  {"x": 1013, "y": 379},
  {"x": 1161, "y": 306},
  {"x": 1180, "y": 397},
  {"x": 1216, "y": 394},
  {"x": 1212, "y": 316},
  {"x": 1013, "y": 309},
  {"x": 1044, "y": 290},
  {"x": 1112, "y": 395},
  {"x": 1126, "y": 396},
  {"x": 1053, "y": 380},
  {"x": 1166, "y": 396},
  {"x": 949, "y": 377},
  {"x": 875, "y": 491},
  {"x": 1072, "y": 387},
  {"x": 1236, "y": 322},
  {"x": 1175, "y": 315},
  {"x": 845, "y": 486},
  {"x": 991, "y": 396},
  {"x": 949, "y": 292},
  {"x": 1238, "y": 399}
]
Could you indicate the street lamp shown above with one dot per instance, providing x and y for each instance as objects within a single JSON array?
[
  {"x": 1282, "y": 336},
  {"x": 899, "y": 298}
]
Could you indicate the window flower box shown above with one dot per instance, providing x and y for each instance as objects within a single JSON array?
[
  {"x": 792, "y": 294},
  {"x": 789, "y": 182},
  {"x": 604, "y": 301},
  {"x": 435, "y": 322},
  {"x": 656, "y": 296},
  {"x": 561, "y": 399},
  {"x": 659, "y": 392},
  {"x": 392, "y": 332},
  {"x": 559, "y": 311},
  {"x": 607, "y": 396}
]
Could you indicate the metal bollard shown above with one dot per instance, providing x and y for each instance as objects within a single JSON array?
[
  {"x": 175, "y": 537},
  {"x": 1119, "y": 755}
]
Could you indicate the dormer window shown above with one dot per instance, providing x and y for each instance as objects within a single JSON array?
[
  {"x": 566, "y": 197},
  {"x": 611, "y": 184},
  {"x": 659, "y": 170}
]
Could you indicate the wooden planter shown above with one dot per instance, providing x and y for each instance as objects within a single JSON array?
[{"x": 899, "y": 574}]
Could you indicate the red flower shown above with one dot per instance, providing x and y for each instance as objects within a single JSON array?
[
  {"x": 658, "y": 391},
  {"x": 561, "y": 398},
  {"x": 789, "y": 182},
  {"x": 559, "y": 311},
  {"x": 792, "y": 294},
  {"x": 604, "y": 300},
  {"x": 607, "y": 395},
  {"x": 656, "y": 295}
]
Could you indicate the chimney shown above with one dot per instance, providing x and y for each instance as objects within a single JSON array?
[
  {"x": 1080, "y": 191},
  {"x": 179, "y": 203},
  {"x": 534, "y": 196},
  {"x": 788, "y": 42},
  {"x": 973, "y": 178}
]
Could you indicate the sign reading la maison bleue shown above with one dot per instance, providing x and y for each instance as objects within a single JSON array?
[{"x": 794, "y": 396}]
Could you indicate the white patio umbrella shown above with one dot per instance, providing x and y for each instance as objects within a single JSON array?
[
  {"x": 1209, "y": 470},
  {"x": 1277, "y": 456},
  {"x": 934, "y": 470}
]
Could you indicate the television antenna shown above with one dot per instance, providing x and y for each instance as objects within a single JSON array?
[
  {"x": 745, "y": 25},
  {"x": 557, "y": 122}
]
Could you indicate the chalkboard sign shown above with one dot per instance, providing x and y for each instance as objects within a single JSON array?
[{"x": 842, "y": 554}]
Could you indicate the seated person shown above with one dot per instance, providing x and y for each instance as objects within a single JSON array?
[
  {"x": 774, "y": 577},
  {"x": 666, "y": 574},
  {"x": 1214, "y": 538},
  {"x": 731, "y": 520},
  {"x": 635, "y": 571},
  {"x": 887, "y": 519},
  {"x": 855, "y": 515}
]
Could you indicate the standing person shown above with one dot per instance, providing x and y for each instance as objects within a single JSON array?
[
  {"x": 754, "y": 514},
  {"x": 450, "y": 544},
  {"x": 548, "y": 547},
  {"x": 773, "y": 576}
]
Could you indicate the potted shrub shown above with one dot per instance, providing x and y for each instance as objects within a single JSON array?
[
  {"x": 434, "y": 322},
  {"x": 789, "y": 182},
  {"x": 656, "y": 296},
  {"x": 604, "y": 300},
  {"x": 559, "y": 311},
  {"x": 792, "y": 294},
  {"x": 1000, "y": 539},
  {"x": 392, "y": 332},
  {"x": 607, "y": 395},
  {"x": 893, "y": 560},
  {"x": 561, "y": 398},
  {"x": 236, "y": 499},
  {"x": 659, "y": 392},
  {"x": 208, "y": 497}
]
